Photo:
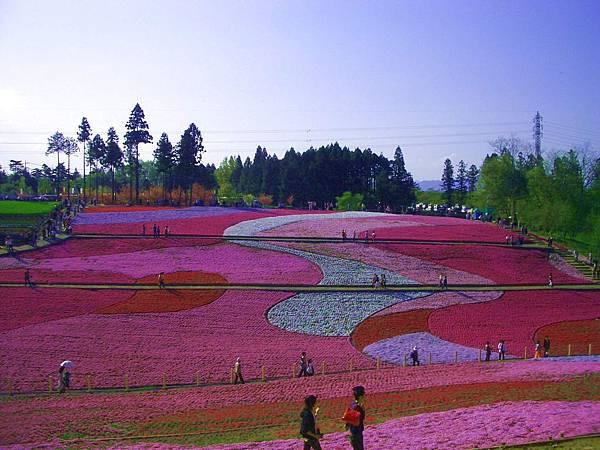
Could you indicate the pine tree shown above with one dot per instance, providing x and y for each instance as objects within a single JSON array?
[
  {"x": 189, "y": 154},
  {"x": 58, "y": 143},
  {"x": 448, "y": 182},
  {"x": 96, "y": 152},
  {"x": 472, "y": 177},
  {"x": 137, "y": 133},
  {"x": 461, "y": 182},
  {"x": 113, "y": 157},
  {"x": 164, "y": 158},
  {"x": 83, "y": 136}
]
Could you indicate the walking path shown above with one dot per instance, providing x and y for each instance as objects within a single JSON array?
[{"x": 319, "y": 288}]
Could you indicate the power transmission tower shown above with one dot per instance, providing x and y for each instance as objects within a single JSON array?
[{"x": 537, "y": 134}]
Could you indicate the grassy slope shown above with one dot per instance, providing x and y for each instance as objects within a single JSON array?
[{"x": 12, "y": 207}]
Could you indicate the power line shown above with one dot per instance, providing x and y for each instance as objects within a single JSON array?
[
  {"x": 339, "y": 138},
  {"x": 320, "y": 130},
  {"x": 573, "y": 128}
]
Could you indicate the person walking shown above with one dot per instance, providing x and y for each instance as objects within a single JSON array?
[
  {"x": 445, "y": 282},
  {"x": 374, "y": 280},
  {"x": 441, "y": 280},
  {"x": 144, "y": 230},
  {"x": 302, "y": 372},
  {"x": 414, "y": 355},
  {"x": 308, "y": 426},
  {"x": 237, "y": 368},
  {"x": 167, "y": 231},
  {"x": 538, "y": 350},
  {"x": 488, "y": 351},
  {"x": 28, "y": 278},
  {"x": 356, "y": 431},
  {"x": 161, "y": 280},
  {"x": 550, "y": 281},
  {"x": 546, "y": 347},
  {"x": 501, "y": 350},
  {"x": 64, "y": 379},
  {"x": 382, "y": 281},
  {"x": 310, "y": 369},
  {"x": 154, "y": 230}
]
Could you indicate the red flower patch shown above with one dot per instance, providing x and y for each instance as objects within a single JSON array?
[
  {"x": 462, "y": 231},
  {"x": 500, "y": 264},
  {"x": 22, "y": 307},
  {"x": 46, "y": 276},
  {"x": 579, "y": 334},
  {"x": 514, "y": 317},
  {"x": 94, "y": 247},
  {"x": 376, "y": 328},
  {"x": 169, "y": 300}
]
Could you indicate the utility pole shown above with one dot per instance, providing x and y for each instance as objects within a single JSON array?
[{"x": 537, "y": 134}]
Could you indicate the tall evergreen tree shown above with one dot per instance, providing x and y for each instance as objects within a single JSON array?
[
  {"x": 189, "y": 154},
  {"x": 96, "y": 152},
  {"x": 137, "y": 133},
  {"x": 164, "y": 159},
  {"x": 461, "y": 182},
  {"x": 113, "y": 157},
  {"x": 402, "y": 180},
  {"x": 58, "y": 143},
  {"x": 83, "y": 136},
  {"x": 448, "y": 182},
  {"x": 472, "y": 177}
]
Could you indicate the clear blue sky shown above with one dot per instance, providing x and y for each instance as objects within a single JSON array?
[{"x": 445, "y": 76}]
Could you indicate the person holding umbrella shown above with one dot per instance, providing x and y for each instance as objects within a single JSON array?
[{"x": 64, "y": 376}]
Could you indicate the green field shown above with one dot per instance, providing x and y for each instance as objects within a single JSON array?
[{"x": 13, "y": 207}]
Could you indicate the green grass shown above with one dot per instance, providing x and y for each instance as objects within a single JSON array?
[
  {"x": 13, "y": 207},
  {"x": 583, "y": 443}
]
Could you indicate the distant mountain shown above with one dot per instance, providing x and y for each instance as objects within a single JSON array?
[{"x": 430, "y": 185}]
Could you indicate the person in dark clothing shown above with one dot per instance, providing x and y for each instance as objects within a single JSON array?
[
  {"x": 28, "y": 278},
  {"x": 445, "y": 282},
  {"x": 308, "y": 427},
  {"x": 414, "y": 355},
  {"x": 302, "y": 372},
  {"x": 546, "y": 347},
  {"x": 488, "y": 351},
  {"x": 161, "y": 280},
  {"x": 356, "y": 431}
]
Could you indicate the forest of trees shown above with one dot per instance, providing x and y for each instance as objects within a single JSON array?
[{"x": 557, "y": 193}]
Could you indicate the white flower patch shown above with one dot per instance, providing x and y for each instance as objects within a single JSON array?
[{"x": 331, "y": 313}]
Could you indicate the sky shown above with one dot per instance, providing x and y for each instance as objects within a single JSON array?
[{"x": 440, "y": 79}]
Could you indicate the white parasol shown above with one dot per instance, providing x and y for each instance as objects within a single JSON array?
[{"x": 67, "y": 364}]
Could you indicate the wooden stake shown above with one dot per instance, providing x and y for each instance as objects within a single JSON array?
[
  {"x": 263, "y": 376},
  {"x": 429, "y": 358},
  {"x": 88, "y": 382},
  {"x": 404, "y": 361},
  {"x": 525, "y": 353},
  {"x": 479, "y": 355},
  {"x": 349, "y": 366},
  {"x": 232, "y": 377},
  {"x": 569, "y": 350},
  {"x": 455, "y": 357},
  {"x": 197, "y": 378},
  {"x": 378, "y": 363},
  {"x": 323, "y": 368},
  {"x": 164, "y": 380},
  {"x": 126, "y": 382},
  {"x": 589, "y": 349},
  {"x": 293, "y": 371}
]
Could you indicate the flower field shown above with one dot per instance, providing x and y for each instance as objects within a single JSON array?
[{"x": 144, "y": 336}]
